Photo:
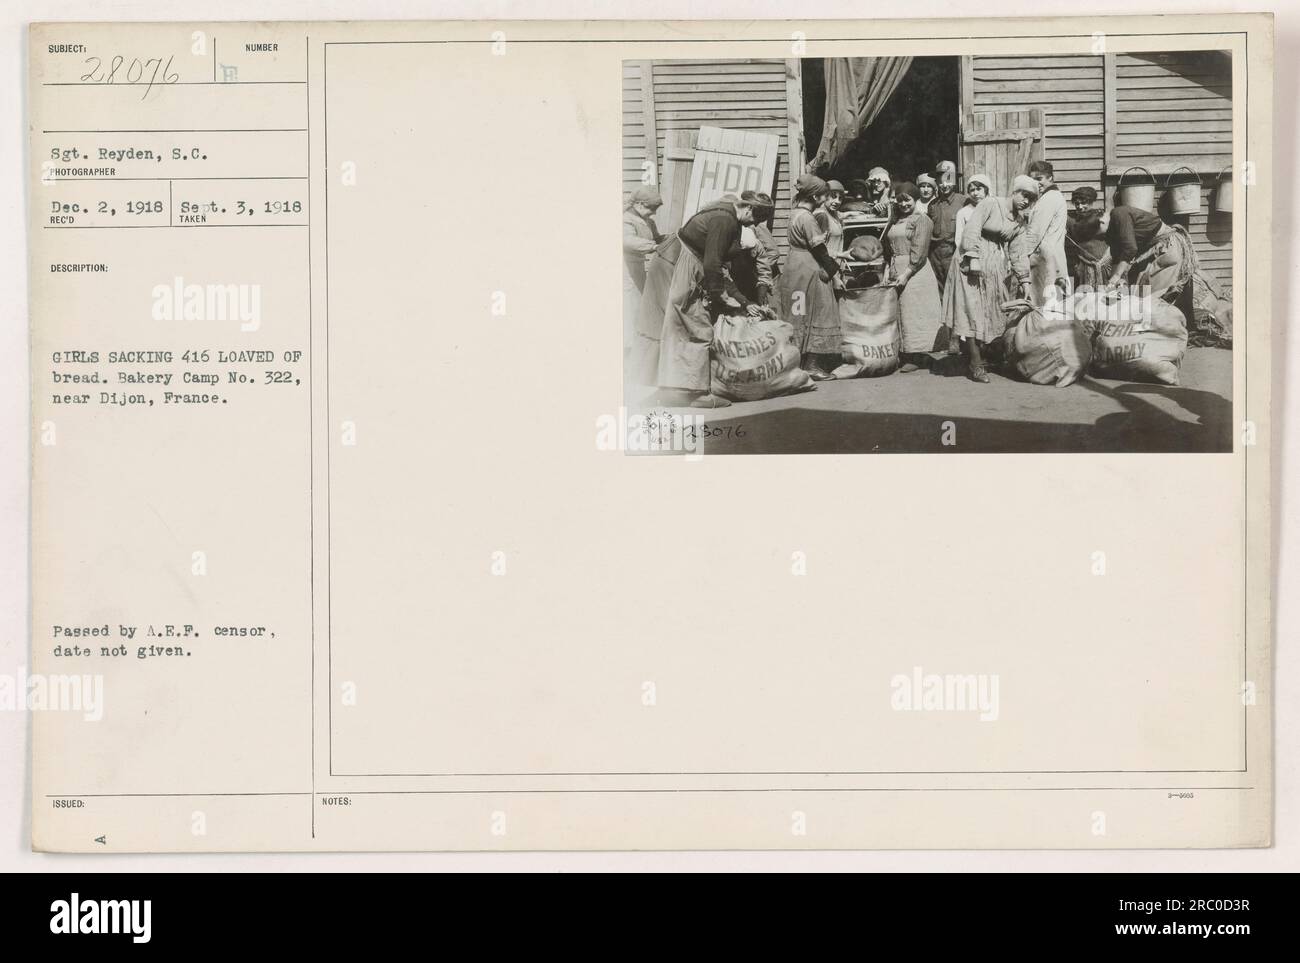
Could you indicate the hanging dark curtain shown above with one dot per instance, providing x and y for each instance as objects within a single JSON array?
[{"x": 856, "y": 89}]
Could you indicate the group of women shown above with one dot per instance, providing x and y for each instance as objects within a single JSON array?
[
  {"x": 957, "y": 294},
  {"x": 954, "y": 260}
]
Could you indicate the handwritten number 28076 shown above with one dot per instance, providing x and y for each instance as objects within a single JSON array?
[{"x": 149, "y": 72}]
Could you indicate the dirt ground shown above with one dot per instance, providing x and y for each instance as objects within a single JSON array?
[{"x": 906, "y": 413}]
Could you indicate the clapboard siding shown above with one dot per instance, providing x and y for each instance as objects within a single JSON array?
[
  {"x": 1172, "y": 110},
  {"x": 1169, "y": 109},
  {"x": 1070, "y": 92},
  {"x": 688, "y": 94},
  {"x": 634, "y": 131}
]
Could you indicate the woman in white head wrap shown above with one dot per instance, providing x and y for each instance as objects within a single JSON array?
[
  {"x": 978, "y": 187},
  {"x": 926, "y": 189},
  {"x": 878, "y": 198},
  {"x": 992, "y": 267}
]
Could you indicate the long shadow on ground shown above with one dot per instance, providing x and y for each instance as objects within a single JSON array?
[{"x": 1141, "y": 427}]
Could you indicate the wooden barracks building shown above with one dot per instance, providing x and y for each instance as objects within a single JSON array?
[{"x": 1164, "y": 118}]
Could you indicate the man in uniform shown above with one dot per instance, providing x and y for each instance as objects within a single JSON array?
[{"x": 942, "y": 210}]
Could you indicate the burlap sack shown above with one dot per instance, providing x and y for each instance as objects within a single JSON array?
[
  {"x": 1047, "y": 346},
  {"x": 1146, "y": 343},
  {"x": 754, "y": 358},
  {"x": 871, "y": 337}
]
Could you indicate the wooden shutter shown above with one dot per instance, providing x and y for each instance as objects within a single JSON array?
[
  {"x": 679, "y": 156},
  {"x": 728, "y": 162}
]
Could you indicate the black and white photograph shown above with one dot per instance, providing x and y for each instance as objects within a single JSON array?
[
  {"x": 349, "y": 532},
  {"x": 977, "y": 253}
]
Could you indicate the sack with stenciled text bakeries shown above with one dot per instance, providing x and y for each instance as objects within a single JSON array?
[
  {"x": 869, "y": 332},
  {"x": 755, "y": 358}
]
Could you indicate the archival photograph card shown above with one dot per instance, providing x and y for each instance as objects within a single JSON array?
[{"x": 388, "y": 381}]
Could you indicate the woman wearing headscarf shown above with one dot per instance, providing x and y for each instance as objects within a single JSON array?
[
  {"x": 878, "y": 199},
  {"x": 640, "y": 233},
  {"x": 926, "y": 189},
  {"x": 993, "y": 267},
  {"x": 805, "y": 289},
  {"x": 1147, "y": 252},
  {"x": 828, "y": 216},
  {"x": 907, "y": 246},
  {"x": 978, "y": 187},
  {"x": 696, "y": 296},
  {"x": 640, "y": 238}
]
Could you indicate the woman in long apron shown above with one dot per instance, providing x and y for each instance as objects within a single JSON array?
[
  {"x": 643, "y": 365},
  {"x": 1147, "y": 252},
  {"x": 978, "y": 187},
  {"x": 805, "y": 290},
  {"x": 697, "y": 294},
  {"x": 993, "y": 267},
  {"x": 907, "y": 240}
]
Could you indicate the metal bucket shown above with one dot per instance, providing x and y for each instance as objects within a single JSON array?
[
  {"x": 1184, "y": 198},
  {"x": 1223, "y": 193},
  {"x": 1137, "y": 195}
]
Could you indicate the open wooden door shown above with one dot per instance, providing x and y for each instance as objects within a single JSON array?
[
  {"x": 729, "y": 162},
  {"x": 1000, "y": 144},
  {"x": 679, "y": 157}
]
